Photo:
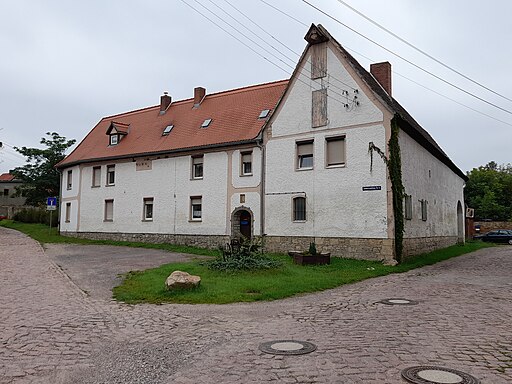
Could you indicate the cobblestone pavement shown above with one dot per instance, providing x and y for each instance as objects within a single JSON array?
[{"x": 51, "y": 332}]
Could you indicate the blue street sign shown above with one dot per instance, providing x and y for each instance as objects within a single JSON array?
[{"x": 51, "y": 201}]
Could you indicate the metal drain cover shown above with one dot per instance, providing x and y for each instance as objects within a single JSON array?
[
  {"x": 287, "y": 347},
  {"x": 398, "y": 301},
  {"x": 437, "y": 375}
]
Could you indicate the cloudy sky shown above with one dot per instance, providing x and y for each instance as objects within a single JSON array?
[{"x": 65, "y": 64}]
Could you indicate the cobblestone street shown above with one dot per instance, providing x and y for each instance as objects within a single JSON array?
[{"x": 53, "y": 332}]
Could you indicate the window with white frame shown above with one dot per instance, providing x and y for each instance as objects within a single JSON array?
[
  {"x": 424, "y": 204},
  {"x": 96, "y": 176},
  {"x": 408, "y": 207},
  {"x": 197, "y": 167},
  {"x": 68, "y": 212},
  {"x": 299, "y": 209},
  {"x": 196, "y": 210},
  {"x": 246, "y": 163},
  {"x": 148, "y": 209},
  {"x": 70, "y": 180},
  {"x": 335, "y": 151},
  {"x": 305, "y": 154},
  {"x": 109, "y": 210},
  {"x": 111, "y": 174},
  {"x": 114, "y": 139}
]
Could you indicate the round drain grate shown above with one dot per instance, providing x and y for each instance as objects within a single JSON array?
[
  {"x": 398, "y": 301},
  {"x": 437, "y": 375},
  {"x": 287, "y": 347}
]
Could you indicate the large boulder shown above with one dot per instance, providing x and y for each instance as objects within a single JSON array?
[{"x": 181, "y": 280}]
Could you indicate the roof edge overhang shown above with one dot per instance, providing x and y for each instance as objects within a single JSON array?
[
  {"x": 160, "y": 153},
  {"x": 413, "y": 132}
]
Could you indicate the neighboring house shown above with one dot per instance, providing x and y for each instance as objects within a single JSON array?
[
  {"x": 297, "y": 161},
  {"x": 8, "y": 202}
]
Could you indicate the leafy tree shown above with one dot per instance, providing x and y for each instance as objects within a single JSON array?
[
  {"x": 39, "y": 176},
  {"x": 489, "y": 191}
]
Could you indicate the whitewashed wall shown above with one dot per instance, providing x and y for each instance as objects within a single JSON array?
[
  {"x": 70, "y": 196},
  {"x": 427, "y": 178},
  {"x": 336, "y": 204},
  {"x": 170, "y": 185}
]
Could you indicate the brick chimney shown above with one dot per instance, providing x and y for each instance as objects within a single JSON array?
[
  {"x": 199, "y": 93},
  {"x": 165, "y": 101},
  {"x": 382, "y": 72}
]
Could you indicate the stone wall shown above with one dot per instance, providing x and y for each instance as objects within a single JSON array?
[
  {"x": 486, "y": 226},
  {"x": 202, "y": 241},
  {"x": 353, "y": 248},
  {"x": 417, "y": 245}
]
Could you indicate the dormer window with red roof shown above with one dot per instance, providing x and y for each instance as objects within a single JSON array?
[{"x": 116, "y": 131}]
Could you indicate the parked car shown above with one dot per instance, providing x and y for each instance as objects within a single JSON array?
[
  {"x": 497, "y": 236},
  {"x": 2, "y": 217}
]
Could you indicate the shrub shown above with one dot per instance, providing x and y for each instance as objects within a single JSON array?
[
  {"x": 243, "y": 255},
  {"x": 36, "y": 215}
]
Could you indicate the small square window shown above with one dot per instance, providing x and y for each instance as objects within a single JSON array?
[
  {"x": 167, "y": 130},
  {"x": 305, "y": 155},
  {"x": 196, "y": 213},
  {"x": 114, "y": 139},
  {"x": 6, "y": 191},
  {"x": 109, "y": 210},
  {"x": 206, "y": 123},
  {"x": 246, "y": 164},
  {"x": 148, "y": 209},
  {"x": 111, "y": 174},
  {"x": 264, "y": 114},
  {"x": 197, "y": 167}
]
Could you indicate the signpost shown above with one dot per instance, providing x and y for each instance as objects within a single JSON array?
[{"x": 51, "y": 205}]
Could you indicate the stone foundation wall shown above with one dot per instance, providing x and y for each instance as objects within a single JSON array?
[
  {"x": 417, "y": 245},
  {"x": 202, "y": 241},
  {"x": 353, "y": 248}
]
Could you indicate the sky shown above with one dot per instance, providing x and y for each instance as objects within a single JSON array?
[{"x": 66, "y": 64}]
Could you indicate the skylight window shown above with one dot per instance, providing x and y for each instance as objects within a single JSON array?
[
  {"x": 264, "y": 113},
  {"x": 167, "y": 130},
  {"x": 206, "y": 123}
]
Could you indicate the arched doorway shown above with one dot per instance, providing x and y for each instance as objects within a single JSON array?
[
  {"x": 241, "y": 223},
  {"x": 460, "y": 223}
]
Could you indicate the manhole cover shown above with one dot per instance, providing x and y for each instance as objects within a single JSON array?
[
  {"x": 398, "y": 301},
  {"x": 437, "y": 375},
  {"x": 287, "y": 347}
]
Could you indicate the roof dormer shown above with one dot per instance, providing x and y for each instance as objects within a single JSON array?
[{"x": 116, "y": 131}]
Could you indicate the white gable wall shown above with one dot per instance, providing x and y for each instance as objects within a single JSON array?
[{"x": 336, "y": 204}]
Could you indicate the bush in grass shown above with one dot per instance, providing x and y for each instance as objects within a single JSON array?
[
  {"x": 241, "y": 256},
  {"x": 36, "y": 215}
]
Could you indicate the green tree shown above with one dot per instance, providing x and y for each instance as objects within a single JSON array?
[
  {"x": 489, "y": 191},
  {"x": 39, "y": 176}
]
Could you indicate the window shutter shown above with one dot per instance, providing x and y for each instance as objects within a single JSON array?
[
  {"x": 197, "y": 160},
  {"x": 304, "y": 148},
  {"x": 336, "y": 151},
  {"x": 246, "y": 158},
  {"x": 319, "y": 108},
  {"x": 318, "y": 60},
  {"x": 109, "y": 210}
]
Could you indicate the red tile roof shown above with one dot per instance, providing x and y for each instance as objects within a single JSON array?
[
  {"x": 6, "y": 177},
  {"x": 234, "y": 117}
]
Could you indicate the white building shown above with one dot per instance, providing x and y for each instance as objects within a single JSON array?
[{"x": 297, "y": 161}]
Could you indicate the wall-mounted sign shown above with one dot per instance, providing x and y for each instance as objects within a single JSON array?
[
  {"x": 372, "y": 188},
  {"x": 143, "y": 165}
]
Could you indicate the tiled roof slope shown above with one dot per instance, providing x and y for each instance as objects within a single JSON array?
[
  {"x": 408, "y": 124},
  {"x": 234, "y": 117},
  {"x": 6, "y": 177}
]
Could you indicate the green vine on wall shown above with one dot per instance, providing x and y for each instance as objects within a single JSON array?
[{"x": 394, "y": 164}]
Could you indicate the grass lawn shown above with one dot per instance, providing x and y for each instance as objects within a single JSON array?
[
  {"x": 43, "y": 234},
  {"x": 221, "y": 287},
  {"x": 288, "y": 280}
]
